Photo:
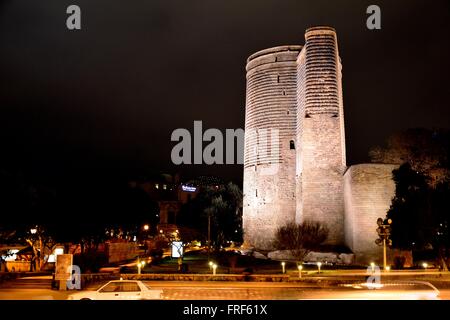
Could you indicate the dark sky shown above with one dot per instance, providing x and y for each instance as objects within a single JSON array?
[{"x": 105, "y": 100}]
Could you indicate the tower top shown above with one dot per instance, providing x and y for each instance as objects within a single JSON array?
[
  {"x": 318, "y": 29},
  {"x": 279, "y": 54}
]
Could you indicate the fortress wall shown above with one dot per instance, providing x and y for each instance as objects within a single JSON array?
[
  {"x": 269, "y": 161},
  {"x": 368, "y": 191}
]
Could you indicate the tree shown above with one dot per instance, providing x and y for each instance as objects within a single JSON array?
[
  {"x": 426, "y": 151},
  {"x": 419, "y": 210},
  {"x": 409, "y": 211},
  {"x": 300, "y": 239},
  {"x": 218, "y": 209}
]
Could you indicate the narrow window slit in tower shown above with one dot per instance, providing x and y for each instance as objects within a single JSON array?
[
  {"x": 291, "y": 145},
  {"x": 278, "y": 79},
  {"x": 256, "y": 191}
]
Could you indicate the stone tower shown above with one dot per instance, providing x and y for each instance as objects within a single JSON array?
[
  {"x": 320, "y": 133},
  {"x": 269, "y": 154},
  {"x": 294, "y": 157}
]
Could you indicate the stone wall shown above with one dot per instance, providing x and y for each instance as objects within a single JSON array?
[{"x": 368, "y": 191}]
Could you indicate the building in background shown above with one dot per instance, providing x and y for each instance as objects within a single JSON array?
[{"x": 170, "y": 192}]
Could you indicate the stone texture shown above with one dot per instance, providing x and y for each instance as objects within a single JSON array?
[
  {"x": 269, "y": 161},
  {"x": 259, "y": 255},
  {"x": 322, "y": 257},
  {"x": 332, "y": 257},
  {"x": 368, "y": 191},
  {"x": 280, "y": 255},
  {"x": 346, "y": 258},
  {"x": 320, "y": 133}
]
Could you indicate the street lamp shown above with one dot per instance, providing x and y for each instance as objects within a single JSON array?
[
  {"x": 425, "y": 265},
  {"x": 210, "y": 264},
  {"x": 214, "y": 267},
  {"x": 146, "y": 227},
  {"x": 283, "y": 267},
  {"x": 33, "y": 230},
  {"x": 319, "y": 264},
  {"x": 372, "y": 264},
  {"x": 140, "y": 265},
  {"x": 300, "y": 267}
]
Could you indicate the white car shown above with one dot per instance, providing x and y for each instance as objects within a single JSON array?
[{"x": 119, "y": 290}]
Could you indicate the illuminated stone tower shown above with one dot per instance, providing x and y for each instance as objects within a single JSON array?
[
  {"x": 294, "y": 158},
  {"x": 269, "y": 155},
  {"x": 320, "y": 133}
]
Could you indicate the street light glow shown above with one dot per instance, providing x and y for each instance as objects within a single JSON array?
[{"x": 146, "y": 227}]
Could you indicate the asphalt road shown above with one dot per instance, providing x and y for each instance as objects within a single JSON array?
[{"x": 251, "y": 291}]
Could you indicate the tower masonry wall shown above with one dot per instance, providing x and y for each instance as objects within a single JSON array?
[
  {"x": 269, "y": 153},
  {"x": 320, "y": 132},
  {"x": 368, "y": 191}
]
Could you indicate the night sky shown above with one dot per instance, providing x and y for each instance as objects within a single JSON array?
[{"x": 103, "y": 101}]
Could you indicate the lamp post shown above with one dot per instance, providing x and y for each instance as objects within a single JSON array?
[
  {"x": 319, "y": 264},
  {"x": 209, "y": 234},
  {"x": 214, "y": 267},
  {"x": 300, "y": 267},
  {"x": 140, "y": 265},
  {"x": 283, "y": 267}
]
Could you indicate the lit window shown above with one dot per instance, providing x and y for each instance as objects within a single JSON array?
[
  {"x": 157, "y": 186},
  {"x": 165, "y": 186}
]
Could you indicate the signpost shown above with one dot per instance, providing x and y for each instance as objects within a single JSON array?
[{"x": 63, "y": 270}]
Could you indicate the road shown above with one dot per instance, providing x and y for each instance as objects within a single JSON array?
[{"x": 250, "y": 291}]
